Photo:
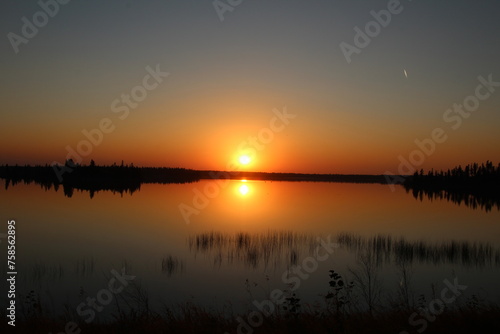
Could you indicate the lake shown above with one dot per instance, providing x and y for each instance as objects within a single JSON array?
[{"x": 241, "y": 244}]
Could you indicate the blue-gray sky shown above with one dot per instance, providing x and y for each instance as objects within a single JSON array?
[{"x": 225, "y": 78}]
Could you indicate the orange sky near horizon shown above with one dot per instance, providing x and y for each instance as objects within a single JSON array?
[{"x": 304, "y": 145}]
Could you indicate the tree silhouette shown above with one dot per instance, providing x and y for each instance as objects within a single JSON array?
[{"x": 475, "y": 185}]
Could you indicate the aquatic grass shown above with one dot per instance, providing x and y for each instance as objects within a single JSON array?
[
  {"x": 41, "y": 271},
  {"x": 387, "y": 249},
  {"x": 85, "y": 267},
  {"x": 267, "y": 249},
  {"x": 275, "y": 247},
  {"x": 171, "y": 265}
]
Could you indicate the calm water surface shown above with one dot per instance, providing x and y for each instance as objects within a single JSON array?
[{"x": 240, "y": 246}]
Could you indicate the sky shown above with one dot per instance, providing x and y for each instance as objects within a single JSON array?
[{"x": 268, "y": 79}]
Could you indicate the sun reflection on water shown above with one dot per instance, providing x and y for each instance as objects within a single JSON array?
[{"x": 244, "y": 188}]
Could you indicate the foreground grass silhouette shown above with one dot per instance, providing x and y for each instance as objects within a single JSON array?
[
  {"x": 342, "y": 312},
  {"x": 347, "y": 307},
  {"x": 193, "y": 319}
]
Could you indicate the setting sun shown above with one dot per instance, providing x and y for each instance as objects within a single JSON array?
[{"x": 245, "y": 159}]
